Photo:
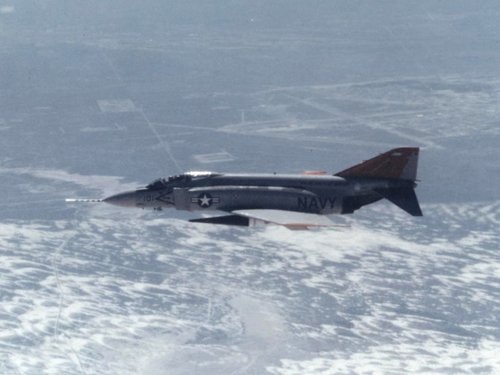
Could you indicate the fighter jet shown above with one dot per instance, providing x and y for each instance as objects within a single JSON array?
[{"x": 296, "y": 201}]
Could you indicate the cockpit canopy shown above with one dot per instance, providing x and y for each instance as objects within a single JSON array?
[
  {"x": 162, "y": 183},
  {"x": 202, "y": 174}
]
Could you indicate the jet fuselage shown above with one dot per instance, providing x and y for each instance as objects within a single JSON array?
[
  {"x": 292, "y": 200},
  {"x": 320, "y": 194}
]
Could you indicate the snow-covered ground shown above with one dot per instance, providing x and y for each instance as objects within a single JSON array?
[{"x": 106, "y": 292}]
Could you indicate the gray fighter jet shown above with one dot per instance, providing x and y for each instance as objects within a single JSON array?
[{"x": 295, "y": 201}]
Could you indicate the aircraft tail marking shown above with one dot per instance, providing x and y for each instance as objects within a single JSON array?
[{"x": 398, "y": 163}]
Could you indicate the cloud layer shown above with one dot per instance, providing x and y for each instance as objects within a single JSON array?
[{"x": 137, "y": 294}]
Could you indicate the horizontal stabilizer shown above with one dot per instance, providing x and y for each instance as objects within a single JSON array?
[{"x": 405, "y": 198}]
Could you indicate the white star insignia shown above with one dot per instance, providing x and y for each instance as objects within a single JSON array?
[{"x": 205, "y": 201}]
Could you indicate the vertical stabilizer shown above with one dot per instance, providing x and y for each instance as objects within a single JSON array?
[
  {"x": 396, "y": 164},
  {"x": 399, "y": 163}
]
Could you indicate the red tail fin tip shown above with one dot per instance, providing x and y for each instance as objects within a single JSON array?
[{"x": 398, "y": 163}]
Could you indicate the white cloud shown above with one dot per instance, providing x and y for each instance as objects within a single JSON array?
[
  {"x": 428, "y": 357},
  {"x": 135, "y": 296},
  {"x": 7, "y": 9},
  {"x": 106, "y": 184}
]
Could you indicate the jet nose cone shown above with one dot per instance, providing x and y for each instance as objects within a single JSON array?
[{"x": 126, "y": 199}]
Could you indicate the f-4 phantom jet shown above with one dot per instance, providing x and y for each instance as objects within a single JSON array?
[{"x": 296, "y": 201}]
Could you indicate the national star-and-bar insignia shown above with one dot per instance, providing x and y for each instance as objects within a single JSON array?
[{"x": 205, "y": 200}]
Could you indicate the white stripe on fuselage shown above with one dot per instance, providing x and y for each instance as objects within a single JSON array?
[{"x": 292, "y": 180}]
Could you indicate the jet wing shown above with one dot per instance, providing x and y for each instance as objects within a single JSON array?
[{"x": 289, "y": 219}]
